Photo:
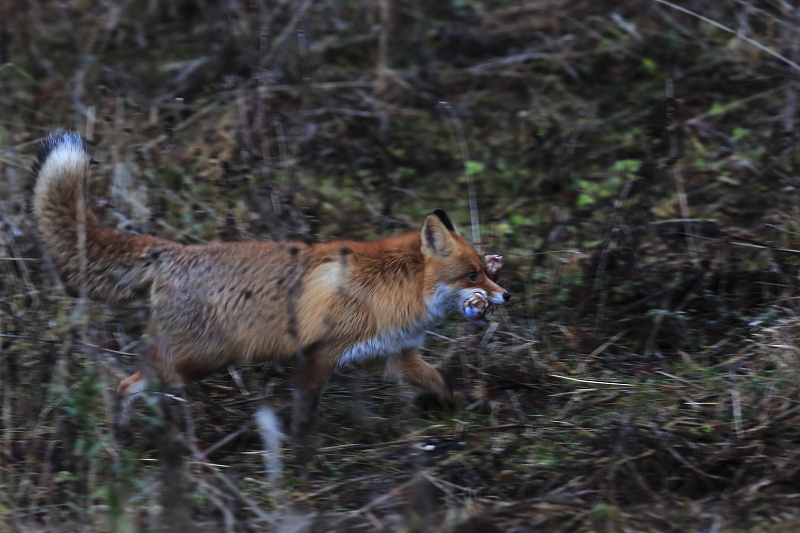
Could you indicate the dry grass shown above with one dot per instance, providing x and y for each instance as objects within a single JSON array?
[{"x": 634, "y": 163}]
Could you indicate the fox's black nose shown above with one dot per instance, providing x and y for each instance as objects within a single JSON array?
[{"x": 506, "y": 296}]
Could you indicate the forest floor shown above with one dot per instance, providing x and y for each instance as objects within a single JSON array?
[{"x": 634, "y": 163}]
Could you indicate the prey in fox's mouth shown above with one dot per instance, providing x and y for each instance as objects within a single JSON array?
[{"x": 478, "y": 308}]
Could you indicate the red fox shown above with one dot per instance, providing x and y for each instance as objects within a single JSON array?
[{"x": 211, "y": 305}]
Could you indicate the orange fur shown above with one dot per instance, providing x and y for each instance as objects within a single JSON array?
[{"x": 215, "y": 304}]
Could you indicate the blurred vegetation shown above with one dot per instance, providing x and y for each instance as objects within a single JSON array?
[{"x": 634, "y": 162}]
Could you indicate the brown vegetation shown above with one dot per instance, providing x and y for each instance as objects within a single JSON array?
[{"x": 634, "y": 163}]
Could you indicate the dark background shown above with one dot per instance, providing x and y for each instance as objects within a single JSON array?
[{"x": 635, "y": 164}]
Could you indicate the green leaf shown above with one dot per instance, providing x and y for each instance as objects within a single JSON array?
[
  {"x": 627, "y": 166},
  {"x": 474, "y": 167},
  {"x": 584, "y": 200},
  {"x": 739, "y": 134}
]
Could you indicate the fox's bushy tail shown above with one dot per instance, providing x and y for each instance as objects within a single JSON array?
[{"x": 110, "y": 265}]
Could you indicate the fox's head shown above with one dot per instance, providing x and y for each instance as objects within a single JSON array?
[{"x": 455, "y": 277}]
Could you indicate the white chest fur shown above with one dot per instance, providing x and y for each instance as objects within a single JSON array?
[{"x": 397, "y": 340}]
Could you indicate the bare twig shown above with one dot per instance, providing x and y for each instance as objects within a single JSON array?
[
  {"x": 288, "y": 30},
  {"x": 716, "y": 24},
  {"x": 462, "y": 144}
]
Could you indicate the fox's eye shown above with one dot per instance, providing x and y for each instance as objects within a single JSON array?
[{"x": 472, "y": 276}]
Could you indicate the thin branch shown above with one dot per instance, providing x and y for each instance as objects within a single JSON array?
[
  {"x": 729, "y": 30},
  {"x": 462, "y": 144}
]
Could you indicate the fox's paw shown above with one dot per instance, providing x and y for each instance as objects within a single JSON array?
[
  {"x": 428, "y": 403},
  {"x": 478, "y": 308},
  {"x": 446, "y": 398},
  {"x": 494, "y": 264}
]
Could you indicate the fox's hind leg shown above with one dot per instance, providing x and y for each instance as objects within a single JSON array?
[
  {"x": 156, "y": 363},
  {"x": 128, "y": 390}
]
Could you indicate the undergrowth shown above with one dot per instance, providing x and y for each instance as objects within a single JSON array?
[{"x": 634, "y": 163}]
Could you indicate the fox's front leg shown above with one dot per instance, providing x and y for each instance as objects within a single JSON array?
[
  {"x": 410, "y": 368},
  {"x": 314, "y": 369}
]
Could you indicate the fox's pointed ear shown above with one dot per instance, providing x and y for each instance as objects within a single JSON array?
[
  {"x": 442, "y": 214},
  {"x": 435, "y": 235}
]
